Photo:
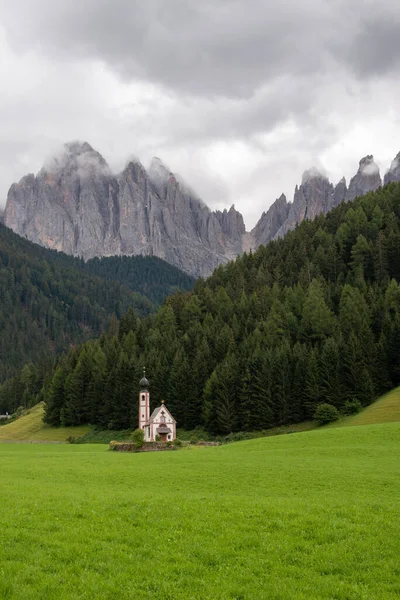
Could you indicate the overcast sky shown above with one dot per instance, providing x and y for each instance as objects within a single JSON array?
[{"x": 237, "y": 96}]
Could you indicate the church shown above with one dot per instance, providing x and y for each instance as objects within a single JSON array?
[{"x": 160, "y": 425}]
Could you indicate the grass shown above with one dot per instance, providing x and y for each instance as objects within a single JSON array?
[
  {"x": 100, "y": 436},
  {"x": 304, "y": 516},
  {"x": 30, "y": 428},
  {"x": 385, "y": 410}
]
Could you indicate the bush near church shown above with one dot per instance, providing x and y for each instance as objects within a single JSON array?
[{"x": 138, "y": 437}]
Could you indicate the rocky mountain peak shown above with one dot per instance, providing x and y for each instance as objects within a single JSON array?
[
  {"x": 339, "y": 192},
  {"x": 282, "y": 200},
  {"x": 134, "y": 172},
  {"x": 393, "y": 173},
  {"x": 231, "y": 222},
  {"x": 158, "y": 172},
  {"x": 367, "y": 178},
  {"x": 311, "y": 174},
  {"x": 368, "y": 166},
  {"x": 77, "y": 147},
  {"x": 77, "y": 157},
  {"x": 271, "y": 221}
]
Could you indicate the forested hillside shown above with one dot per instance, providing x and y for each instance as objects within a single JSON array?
[
  {"x": 50, "y": 301},
  {"x": 310, "y": 318},
  {"x": 147, "y": 275}
]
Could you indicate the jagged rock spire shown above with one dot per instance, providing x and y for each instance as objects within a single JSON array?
[
  {"x": 367, "y": 178},
  {"x": 393, "y": 174}
]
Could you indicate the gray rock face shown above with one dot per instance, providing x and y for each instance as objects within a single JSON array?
[
  {"x": 367, "y": 179},
  {"x": 340, "y": 192},
  {"x": 271, "y": 221},
  {"x": 313, "y": 197},
  {"x": 393, "y": 173},
  {"x": 72, "y": 204},
  {"x": 76, "y": 205}
]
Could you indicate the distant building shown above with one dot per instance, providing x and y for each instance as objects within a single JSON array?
[
  {"x": 160, "y": 424},
  {"x": 5, "y": 417}
]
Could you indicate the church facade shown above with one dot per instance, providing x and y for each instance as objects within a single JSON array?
[{"x": 160, "y": 424}]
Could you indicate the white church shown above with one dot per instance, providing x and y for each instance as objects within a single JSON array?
[{"x": 160, "y": 424}]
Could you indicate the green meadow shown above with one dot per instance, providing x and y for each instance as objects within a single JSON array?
[
  {"x": 312, "y": 515},
  {"x": 385, "y": 410},
  {"x": 30, "y": 427}
]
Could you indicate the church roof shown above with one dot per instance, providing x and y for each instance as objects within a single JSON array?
[
  {"x": 156, "y": 411},
  {"x": 144, "y": 382}
]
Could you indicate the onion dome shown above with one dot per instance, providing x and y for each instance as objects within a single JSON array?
[{"x": 144, "y": 382}]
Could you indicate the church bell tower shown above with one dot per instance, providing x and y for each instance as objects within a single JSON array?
[{"x": 144, "y": 401}]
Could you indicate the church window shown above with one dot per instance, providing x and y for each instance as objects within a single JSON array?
[{"x": 143, "y": 398}]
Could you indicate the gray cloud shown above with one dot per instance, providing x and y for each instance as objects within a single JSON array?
[
  {"x": 376, "y": 46},
  {"x": 239, "y": 96},
  {"x": 223, "y": 47}
]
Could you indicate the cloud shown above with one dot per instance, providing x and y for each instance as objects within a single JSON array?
[
  {"x": 370, "y": 169},
  {"x": 238, "y": 96},
  {"x": 222, "y": 47},
  {"x": 375, "y": 46}
]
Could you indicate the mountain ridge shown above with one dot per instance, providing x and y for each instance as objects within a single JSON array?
[{"x": 76, "y": 204}]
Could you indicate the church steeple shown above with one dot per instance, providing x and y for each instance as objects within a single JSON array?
[
  {"x": 144, "y": 401},
  {"x": 144, "y": 382}
]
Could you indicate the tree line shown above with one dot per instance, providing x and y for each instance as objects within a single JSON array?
[
  {"x": 148, "y": 275},
  {"x": 50, "y": 301},
  {"x": 310, "y": 318}
]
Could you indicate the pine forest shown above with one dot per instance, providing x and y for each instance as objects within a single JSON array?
[{"x": 310, "y": 318}]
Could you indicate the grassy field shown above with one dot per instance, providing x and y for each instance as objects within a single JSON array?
[
  {"x": 30, "y": 428},
  {"x": 309, "y": 516},
  {"x": 384, "y": 410}
]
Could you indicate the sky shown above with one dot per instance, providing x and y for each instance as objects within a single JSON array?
[{"x": 237, "y": 96}]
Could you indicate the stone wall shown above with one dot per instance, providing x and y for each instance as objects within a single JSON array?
[{"x": 147, "y": 447}]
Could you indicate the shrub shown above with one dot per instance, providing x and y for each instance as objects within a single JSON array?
[
  {"x": 352, "y": 407},
  {"x": 19, "y": 412},
  {"x": 138, "y": 437},
  {"x": 326, "y": 413},
  {"x": 178, "y": 442}
]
